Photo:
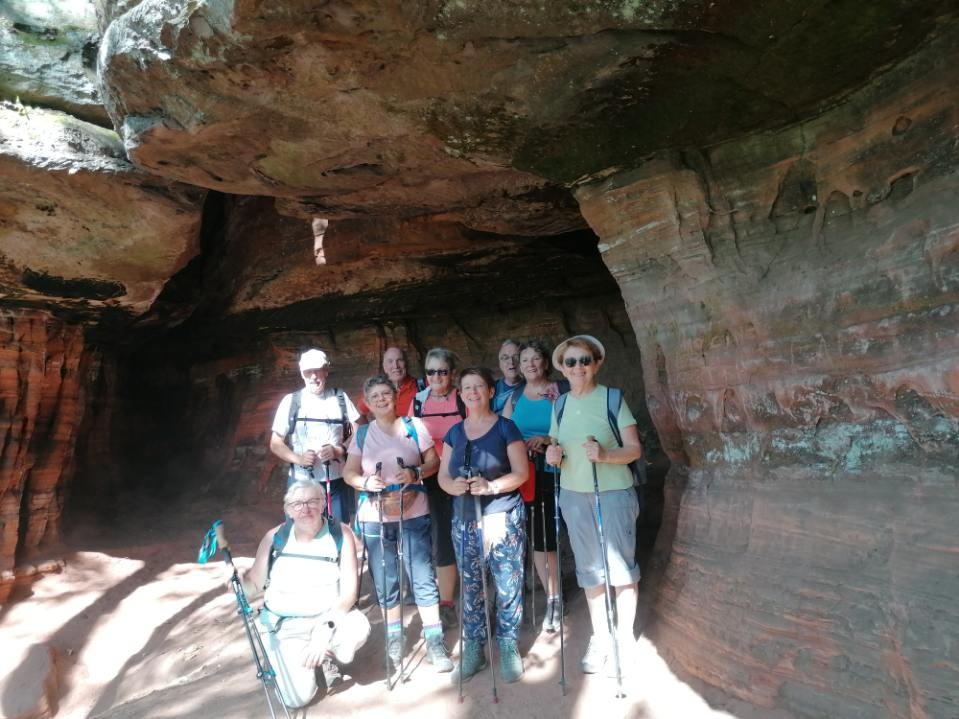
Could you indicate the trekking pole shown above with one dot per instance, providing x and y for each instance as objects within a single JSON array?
[
  {"x": 329, "y": 494},
  {"x": 542, "y": 516},
  {"x": 532, "y": 565},
  {"x": 264, "y": 670},
  {"x": 610, "y": 619},
  {"x": 402, "y": 567},
  {"x": 559, "y": 580},
  {"x": 478, "y": 510},
  {"x": 467, "y": 457},
  {"x": 386, "y": 621}
]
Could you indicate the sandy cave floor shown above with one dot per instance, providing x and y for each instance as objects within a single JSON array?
[{"x": 139, "y": 629}]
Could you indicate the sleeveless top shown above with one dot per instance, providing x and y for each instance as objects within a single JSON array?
[{"x": 303, "y": 583}]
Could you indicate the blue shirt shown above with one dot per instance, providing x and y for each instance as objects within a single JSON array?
[
  {"x": 502, "y": 391},
  {"x": 488, "y": 458}
]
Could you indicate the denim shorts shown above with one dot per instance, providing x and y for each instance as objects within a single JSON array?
[
  {"x": 417, "y": 558},
  {"x": 620, "y": 509}
]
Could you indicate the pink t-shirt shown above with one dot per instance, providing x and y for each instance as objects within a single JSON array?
[
  {"x": 379, "y": 446},
  {"x": 439, "y": 414}
]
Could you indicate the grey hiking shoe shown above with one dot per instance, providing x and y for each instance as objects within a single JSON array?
[
  {"x": 331, "y": 673},
  {"x": 596, "y": 653},
  {"x": 394, "y": 650},
  {"x": 448, "y": 617},
  {"x": 551, "y": 619},
  {"x": 437, "y": 656},
  {"x": 472, "y": 660},
  {"x": 510, "y": 662}
]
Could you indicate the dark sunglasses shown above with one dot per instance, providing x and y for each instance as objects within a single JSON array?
[
  {"x": 440, "y": 372},
  {"x": 586, "y": 361}
]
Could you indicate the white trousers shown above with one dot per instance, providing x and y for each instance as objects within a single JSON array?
[{"x": 286, "y": 641}]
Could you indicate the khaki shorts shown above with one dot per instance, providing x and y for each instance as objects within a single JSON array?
[{"x": 620, "y": 508}]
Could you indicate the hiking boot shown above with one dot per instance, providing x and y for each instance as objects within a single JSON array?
[
  {"x": 510, "y": 662},
  {"x": 596, "y": 653},
  {"x": 551, "y": 620},
  {"x": 437, "y": 656},
  {"x": 394, "y": 650},
  {"x": 448, "y": 616},
  {"x": 472, "y": 660},
  {"x": 331, "y": 673}
]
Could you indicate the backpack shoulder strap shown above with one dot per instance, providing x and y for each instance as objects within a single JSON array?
[
  {"x": 294, "y": 411},
  {"x": 559, "y": 407},
  {"x": 411, "y": 430},
  {"x": 614, "y": 400},
  {"x": 280, "y": 537},
  {"x": 344, "y": 417},
  {"x": 418, "y": 400},
  {"x": 361, "y": 435},
  {"x": 336, "y": 531}
]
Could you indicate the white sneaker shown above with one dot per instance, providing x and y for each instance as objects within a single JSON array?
[{"x": 596, "y": 654}]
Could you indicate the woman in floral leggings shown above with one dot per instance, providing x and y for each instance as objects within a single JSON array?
[{"x": 484, "y": 457}]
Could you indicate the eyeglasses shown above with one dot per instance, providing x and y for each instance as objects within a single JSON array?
[
  {"x": 440, "y": 372},
  {"x": 301, "y": 504},
  {"x": 585, "y": 360}
]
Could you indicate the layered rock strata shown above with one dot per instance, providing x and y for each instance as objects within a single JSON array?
[
  {"x": 795, "y": 298},
  {"x": 44, "y": 370}
]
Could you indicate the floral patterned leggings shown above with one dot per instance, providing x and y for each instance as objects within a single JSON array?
[{"x": 505, "y": 540}]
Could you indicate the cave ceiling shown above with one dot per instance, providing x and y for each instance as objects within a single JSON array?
[{"x": 476, "y": 117}]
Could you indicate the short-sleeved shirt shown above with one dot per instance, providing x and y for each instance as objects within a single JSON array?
[
  {"x": 489, "y": 458},
  {"x": 319, "y": 422},
  {"x": 584, "y": 416},
  {"x": 404, "y": 397},
  {"x": 439, "y": 414},
  {"x": 501, "y": 393},
  {"x": 379, "y": 446}
]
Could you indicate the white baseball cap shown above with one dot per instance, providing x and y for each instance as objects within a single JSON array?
[{"x": 313, "y": 359}]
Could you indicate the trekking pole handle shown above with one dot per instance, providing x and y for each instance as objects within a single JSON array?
[{"x": 223, "y": 544}]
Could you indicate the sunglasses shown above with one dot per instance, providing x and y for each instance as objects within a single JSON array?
[
  {"x": 586, "y": 361},
  {"x": 440, "y": 372}
]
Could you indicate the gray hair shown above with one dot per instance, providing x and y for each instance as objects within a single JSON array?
[
  {"x": 303, "y": 484},
  {"x": 443, "y": 355},
  {"x": 378, "y": 380}
]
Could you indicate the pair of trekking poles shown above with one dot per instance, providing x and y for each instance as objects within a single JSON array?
[{"x": 216, "y": 539}]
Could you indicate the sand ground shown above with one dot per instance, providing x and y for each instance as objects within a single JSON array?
[{"x": 140, "y": 629}]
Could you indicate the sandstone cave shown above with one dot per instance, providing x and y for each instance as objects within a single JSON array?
[{"x": 754, "y": 205}]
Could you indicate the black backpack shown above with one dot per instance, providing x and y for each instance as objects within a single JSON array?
[
  {"x": 344, "y": 419},
  {"x": 420, "y": 399}
]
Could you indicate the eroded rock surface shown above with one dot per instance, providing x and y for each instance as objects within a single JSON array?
[
  {"x": 417, "y": 107},
  {"x": 794, "y": 296},
  {"x": 79, "y": 225}
]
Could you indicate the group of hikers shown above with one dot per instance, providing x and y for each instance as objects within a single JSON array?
[{"x": 445, "y": 481}]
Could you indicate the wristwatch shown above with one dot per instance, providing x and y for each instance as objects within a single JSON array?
[{"x": 494, "y": 485}]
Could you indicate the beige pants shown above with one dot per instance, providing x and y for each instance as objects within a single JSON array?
[{"x": 286, "y": 641}]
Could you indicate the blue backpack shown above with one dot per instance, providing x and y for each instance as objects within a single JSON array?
[
  {"x": 614, "y": 400},
  {"x": 282, "y": 536}
]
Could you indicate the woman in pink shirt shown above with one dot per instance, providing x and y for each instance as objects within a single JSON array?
[{"x": 439, "y": 406}]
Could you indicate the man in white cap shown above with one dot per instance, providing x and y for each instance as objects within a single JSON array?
[{"x": 310, "y": 431}]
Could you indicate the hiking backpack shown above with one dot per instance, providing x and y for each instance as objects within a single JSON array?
[
  {"x": 282, "y": 536},
  {"x": 614, "y": 400},
  {"x": 420, "y": 399}
]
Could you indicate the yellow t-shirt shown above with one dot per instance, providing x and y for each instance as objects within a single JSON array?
[{"x": 584, "y": 416}]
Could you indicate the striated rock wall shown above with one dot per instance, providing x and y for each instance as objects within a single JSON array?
[
  {"x": 795, "y": 296},
  {"x": 44, "y": 370}
]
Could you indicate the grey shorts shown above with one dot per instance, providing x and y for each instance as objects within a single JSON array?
[{"x": 620, "y": 509}]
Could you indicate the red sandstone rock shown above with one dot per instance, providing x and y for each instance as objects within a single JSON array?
[{"x": 794, "y": 298}]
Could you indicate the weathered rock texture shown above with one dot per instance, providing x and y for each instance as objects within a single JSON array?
[
  {"x": 408, "y": 108},
  {"x": 79, "y": 225},
  {"x": 43, "y": 373},
  {"x": 795, "y": 298},
  {"x": 48, "y": 56}
]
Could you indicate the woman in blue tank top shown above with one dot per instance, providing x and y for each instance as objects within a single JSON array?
[{"x": 531, "y": 408}]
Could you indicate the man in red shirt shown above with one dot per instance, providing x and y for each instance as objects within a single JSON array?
[{"x": 394, "y": 367}]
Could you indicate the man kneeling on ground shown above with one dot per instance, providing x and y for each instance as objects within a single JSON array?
[{"x": 307, "y": 572}]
